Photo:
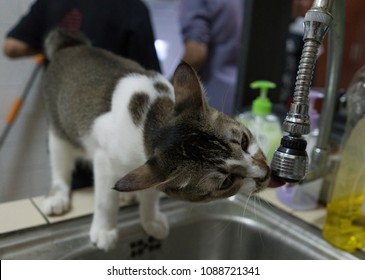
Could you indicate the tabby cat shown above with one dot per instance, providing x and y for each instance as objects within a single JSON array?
[{"x": 141, "y": 133}]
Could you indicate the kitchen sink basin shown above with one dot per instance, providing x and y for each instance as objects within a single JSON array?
[{"x": 234, "y": 228}]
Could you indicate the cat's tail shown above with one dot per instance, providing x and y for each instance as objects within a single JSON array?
[{"x": 60, "y": 38}]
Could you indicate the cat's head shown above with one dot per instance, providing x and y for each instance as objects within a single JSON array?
[{"x": 201, "y": 154}]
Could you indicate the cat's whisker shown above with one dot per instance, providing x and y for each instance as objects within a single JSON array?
[
  {"x": 246, "y": 204},
  {"x": 243, "y": 215},
  {"x": 254, "y": 199},
  {"x": 257, "y": 200},
  {"x": 224, "y": 227},
  {"x": 240, "y": 230},
  {"x": 266, "y": 201}
]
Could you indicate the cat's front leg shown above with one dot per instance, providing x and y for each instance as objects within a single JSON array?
[
  {"x": 103, "y": 231},
  {"x": 62, "y": 159},
  {"x": 154, "y": 222}
]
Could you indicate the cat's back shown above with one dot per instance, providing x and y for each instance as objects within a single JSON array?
[
  {"x": 78, "y": 86},
  {"x": 82, "y": 72}
]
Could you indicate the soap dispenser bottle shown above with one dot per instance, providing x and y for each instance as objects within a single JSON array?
[
  {"x": 345, "y": 219},
  {"x": 265, "y": 126}
]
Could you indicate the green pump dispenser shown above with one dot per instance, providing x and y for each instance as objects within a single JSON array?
[
  {"x": 265, "y": 126},
  {"x": 262, "y": 105}
]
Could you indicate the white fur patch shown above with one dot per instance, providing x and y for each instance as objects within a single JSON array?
[
  {"x": 62, "y": 159},
  {"x": 109, "y": 130},
  {"x": 256, "y": 172},
  {"x": 249, "y": 185},
  {"x": 116, "y": 146},
  {"x": 253, "y": 149},
  {"x": 252, "y": 170}
]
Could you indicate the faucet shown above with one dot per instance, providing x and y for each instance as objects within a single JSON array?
[{"x": 290, "y": 160}]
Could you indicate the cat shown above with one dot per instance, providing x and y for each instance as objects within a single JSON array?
[{"x": 141, "y": 133}]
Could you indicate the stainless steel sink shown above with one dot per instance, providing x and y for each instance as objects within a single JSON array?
[{"x": 234, "y": 228}]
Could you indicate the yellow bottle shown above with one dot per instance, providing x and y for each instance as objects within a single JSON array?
[{"x": 345, "y": 221}]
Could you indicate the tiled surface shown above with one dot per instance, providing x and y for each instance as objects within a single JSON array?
[
  {"x": 18, "y": 215},
  {"x": 22, "y": 214},
  {"x": 81, "y": 205}
]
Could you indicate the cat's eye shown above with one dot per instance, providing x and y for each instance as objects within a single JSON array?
[
  {"x": 233, "y": 141},
  {"x": 244, "y": 142},
  {"x": 227, "y": 183}
]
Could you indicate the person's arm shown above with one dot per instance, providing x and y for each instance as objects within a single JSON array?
[
  {"x": 26, "y": 37},
  {"x": 194, "y": 19},
  {"x": 195, "y": 54},
  {"x": 14, "y": 48}
]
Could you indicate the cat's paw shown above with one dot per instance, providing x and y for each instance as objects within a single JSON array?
[
  {"x": 56, "y": 204},
  {"x": 158, "y": 227},
  {"x": 104, "y": 239}
]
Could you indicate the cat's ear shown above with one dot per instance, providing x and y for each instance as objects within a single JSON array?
[
  {"x": 189, "y": 93},
  {"x": 141, "y": 178}
]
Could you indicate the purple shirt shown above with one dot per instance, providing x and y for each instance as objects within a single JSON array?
[{"x": 218, "y": 24}]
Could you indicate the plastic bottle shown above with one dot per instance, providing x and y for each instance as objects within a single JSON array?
[
  {"x": 265, "y": 126},
  {"x": 345, "y": 220},
  {"x": 305, "y": 196}
]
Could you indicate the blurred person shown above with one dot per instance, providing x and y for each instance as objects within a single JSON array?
[
  {"x": 122, "y": 27},
  {"x": 211, "y": 32}
]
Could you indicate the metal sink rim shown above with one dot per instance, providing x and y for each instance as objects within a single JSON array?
[{"x": 237, "y": 208}]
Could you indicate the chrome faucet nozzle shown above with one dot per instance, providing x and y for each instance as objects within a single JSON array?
[{"x": 290, "y": 160}]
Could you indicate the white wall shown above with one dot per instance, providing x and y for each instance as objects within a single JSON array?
[{"x": 24, "y": 167}]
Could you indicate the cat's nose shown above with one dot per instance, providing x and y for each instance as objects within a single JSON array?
[{"x": 260, "y": 172}]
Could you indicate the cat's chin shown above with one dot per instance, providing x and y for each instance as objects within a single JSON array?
[{"x": 249, "y": 186}]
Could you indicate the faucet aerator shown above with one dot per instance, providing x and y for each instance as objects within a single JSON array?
[{"x": 290, "y": 160}]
